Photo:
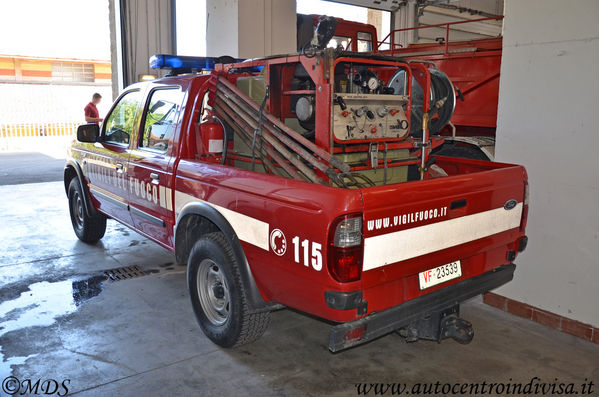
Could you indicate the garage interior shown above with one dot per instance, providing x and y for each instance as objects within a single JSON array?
[{"x": 114, "y": 318}]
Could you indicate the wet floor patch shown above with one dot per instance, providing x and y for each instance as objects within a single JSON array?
[
  {"x": 87, "y": 288},
  {"x": 5, "y": 365},
  {"x": 41, "y": 305},
  {"x": 43, "y": 302},
  {"x": 124, "y": 231}
]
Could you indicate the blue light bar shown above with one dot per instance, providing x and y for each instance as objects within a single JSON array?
[{"x": 165, "y": 61}]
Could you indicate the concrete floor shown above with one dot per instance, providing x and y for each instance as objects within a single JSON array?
[
  {"x": 36, "y": 167},
  {"x": 32, "y": 159},
  {"x": 58, "y": 320}
]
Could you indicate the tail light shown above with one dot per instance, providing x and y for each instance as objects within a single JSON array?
[
  {"x": 346, "y": 248},
  {"x": 525, "y": 206},
  {"x": 355, "y": 334}
]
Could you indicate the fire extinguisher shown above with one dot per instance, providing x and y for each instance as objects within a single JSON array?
[{"x": 211, "y": 141}]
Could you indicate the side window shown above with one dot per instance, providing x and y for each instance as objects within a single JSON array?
[
  {"x": 119, "y": 124},
  {"x": 339, "y": 41},
  {"x": 364, "y": 42},
  {"x": 160, "y": 119}
]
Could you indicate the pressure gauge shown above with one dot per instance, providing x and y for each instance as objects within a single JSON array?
[{"x": 373, "y": 83}]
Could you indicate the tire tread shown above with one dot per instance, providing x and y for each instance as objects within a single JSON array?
[
  {"x": 253, "y": 325},
  {"x": 94, "y": 226}
]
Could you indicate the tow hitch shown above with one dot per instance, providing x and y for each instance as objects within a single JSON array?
[
  {"x": 432, "y": 316},
  {"x": 439, "y": 325}
]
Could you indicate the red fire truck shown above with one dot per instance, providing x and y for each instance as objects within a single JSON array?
[{"x": 301, "y": 181}]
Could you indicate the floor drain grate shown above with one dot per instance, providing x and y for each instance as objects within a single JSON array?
[{"x": 124, "y": 273}]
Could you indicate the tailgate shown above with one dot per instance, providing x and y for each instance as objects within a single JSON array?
[{"x": 471, "y": 216}]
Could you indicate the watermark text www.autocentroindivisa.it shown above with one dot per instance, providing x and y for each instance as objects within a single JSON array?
[
  {"x": 14, "y": 386},
  {"x": 536, "y": 386}
]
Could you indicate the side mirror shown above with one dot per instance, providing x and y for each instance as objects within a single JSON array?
[{"x": 88, "y": 132}]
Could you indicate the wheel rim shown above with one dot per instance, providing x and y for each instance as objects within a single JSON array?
[
  {"x": 213, "y": 292},
  {"x": 77, "y": 207}
]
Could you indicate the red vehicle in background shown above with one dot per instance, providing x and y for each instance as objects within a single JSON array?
[{"x": 473, "y": 66}]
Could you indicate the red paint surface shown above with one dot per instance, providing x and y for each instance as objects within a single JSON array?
[{"x": 307, "y": 210}]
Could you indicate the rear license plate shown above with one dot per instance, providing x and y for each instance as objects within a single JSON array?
[{"x": 440, "y": 274}]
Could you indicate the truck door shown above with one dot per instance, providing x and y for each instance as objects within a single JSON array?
[
  {"x": 106, "y": 161},
  {"x": 150, "y": 173}
]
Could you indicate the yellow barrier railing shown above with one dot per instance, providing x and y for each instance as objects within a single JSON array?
[{"x": 38, "y": 129}]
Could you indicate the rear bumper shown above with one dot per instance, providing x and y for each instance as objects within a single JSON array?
[{"x": 356, "y": 332}]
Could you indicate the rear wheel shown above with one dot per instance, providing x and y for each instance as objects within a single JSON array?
[
  {"x": 218, "y": 296},
  {"x": 88, "y": 229},
  {"x": 464, "y": 152}
]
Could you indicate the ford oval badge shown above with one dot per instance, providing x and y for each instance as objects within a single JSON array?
[{"x": 510, "y": 204}]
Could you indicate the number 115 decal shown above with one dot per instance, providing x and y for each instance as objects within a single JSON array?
[
  {"x": 311, "y": 252},
  {"x": 311, "y": 256}
]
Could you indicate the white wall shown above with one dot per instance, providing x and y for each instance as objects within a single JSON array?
[
  {"x": 191, "y": 27},
  {"x": 267, "y": 27},
  {"x": 548, "y": 121},
  {"x": 49, "y": 103},
  {"x": 250, "y": 28},
  {"x": 222, "y": 28}
]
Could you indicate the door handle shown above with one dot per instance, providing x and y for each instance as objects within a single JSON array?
[
  {"x": 458, "y": 204},
  {"x": 155, "y": 178}
]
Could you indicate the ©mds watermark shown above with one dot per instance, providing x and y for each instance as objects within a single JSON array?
[{"x": 47, "y": 387}]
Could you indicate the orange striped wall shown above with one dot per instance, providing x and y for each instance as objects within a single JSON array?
[
  {"x": 102, "y": 71},
  {"x": 38, "y": 71},
  {"x": 7, "y": 68},
  {"x": 28, "y": 69}
]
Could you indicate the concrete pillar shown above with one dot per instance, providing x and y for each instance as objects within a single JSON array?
[
  {"x": 250, "y": 28},
  {"x": 406, "y": 16},
  {"x": 116, "y": 55},
  {"x": 375, "y": 18},
  {"x": 138, "y": 30}
]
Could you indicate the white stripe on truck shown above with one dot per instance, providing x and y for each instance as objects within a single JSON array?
[
  {"x": 248, "y": 229},
  {"x": 406, "y": 244}
]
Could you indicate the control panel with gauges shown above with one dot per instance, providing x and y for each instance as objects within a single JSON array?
[
  {"x": 366, "y": 107},
  {"x": 370, "y": 116}
]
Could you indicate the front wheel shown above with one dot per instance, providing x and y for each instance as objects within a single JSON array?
[
  {"x": 88, "y": 229},
  {"x": 218, "y": 296}
]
